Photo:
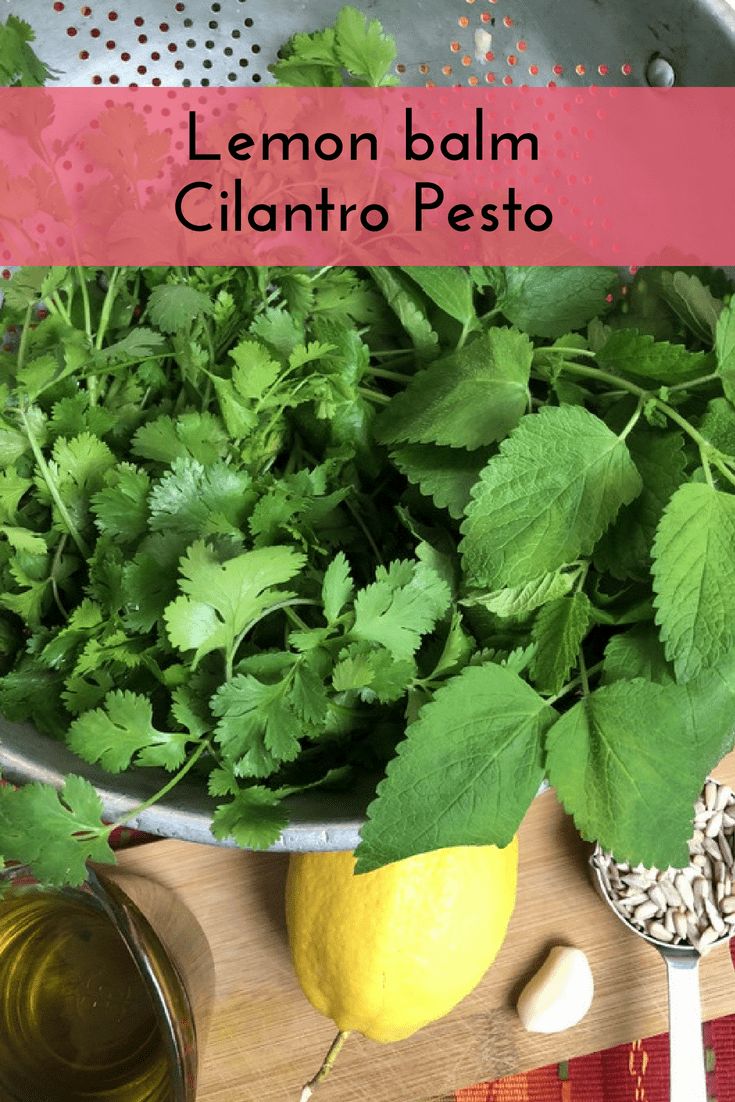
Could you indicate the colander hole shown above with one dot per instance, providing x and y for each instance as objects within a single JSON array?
[
  {"x": 512, "y": 59},
  {"x": 489, "y": 78},
  {"x": 163, "y": 27},
  {"x": 172, "y": 47},
  {"x": 110, "y": 44},
  {"x": 209, "y": 44},
  {"x": 216, "y": 7},
  {"x": 255, "y": 48},
  {"x": 139, "y": 21},
  {"x": 507, "y": 21},
  {"x": 248, "y": 22},
  {"x": 400, "y": 67},
  {"x": 236, "y": 33},
  {"x": 558, "y": 70},
  {"x": 188, "y": 23},
  {"x": 142, "y": 38},
  {"x": 580, "y": 70},
  {"x": 84, "y": 55},
  {"x": 660, "y": 73},
  {"x": 232, "y": 76},
  {"x": 155, "y": 56},
  {"x": 466, "y": 60},
  {"x": 626, "y": 69},
  {"x": 86, "y": 10},
  {"x": 256, "y": 78},
  {"x": 507, "y": 80},
  {"x": 473, "y": 81},
  {"x": 95, "y": 32},
  {"x": 463, "y": 21},
  {"x": 181, "y": 7},
  {"x": 59, "y": 7},
  {"x": 521, "y": 45},
  {"x": 112, "y": 16},
  {"x": 243, "y": 63},
  {"x": 603, "y": 70},
  {"x": 207, "y": 64},
  {"x": 533, "y": 70},
  {"x": 455, "y": 47},
  {"x": 228, "y": 51},
  {"x": 447, "y": 70},
  {"x": 213, "y": 24},
  {"x": 191, "y": 43},
  {"x": 71, "y": 31}
]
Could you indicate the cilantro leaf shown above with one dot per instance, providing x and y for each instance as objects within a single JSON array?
[
  {"x": 559, "y": 481},
  {"x": 19, "y": 65},
  {"x": 121, "y": 508},
  {"x": 122, "y": 730},
  {"x": 337, "y": 587},
  {"x": 255, "y": 818},
  {"x": 258, "y": 726},
  {"x": 194, "y": 500},
  {"x": 54, "y": 832},
  {"x": 473, "y": 398},
  {"x": 174, "y": 307},
  {"x": 692, "y": 569},
  {"x": 479, "y": 737},
  {"x": 622, "y": 765},
  {"x": 220, "y": 600},
  {"x": 363, "y": 48},
  {"x": 402, "y": 604}
]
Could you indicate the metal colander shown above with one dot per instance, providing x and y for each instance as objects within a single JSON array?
[{"x": 440, "y": 42}]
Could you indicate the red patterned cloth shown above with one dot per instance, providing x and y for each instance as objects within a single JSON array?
[{"x": 637, "y": 1072}]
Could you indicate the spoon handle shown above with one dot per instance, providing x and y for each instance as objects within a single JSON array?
[{"x": 687, "y": 1076}]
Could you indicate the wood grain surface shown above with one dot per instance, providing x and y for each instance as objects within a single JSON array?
[{"x": 265, "y": 1040}]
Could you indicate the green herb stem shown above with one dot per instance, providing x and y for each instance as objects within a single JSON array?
[
  {"x": 136, "y": 811},
  {"x": 25, "y": 332},
  {"x": 53, "y": 489},
  {"x": 107, "y": 309},
  {"x": 373, "y": 395},
  {"x": 575, "y": 683},
  {"x": 85, "y": 302},
  {"x": 393, "y": 376}
]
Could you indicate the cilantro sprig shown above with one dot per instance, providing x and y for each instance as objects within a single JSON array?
[{"x": 270, "y": 529}]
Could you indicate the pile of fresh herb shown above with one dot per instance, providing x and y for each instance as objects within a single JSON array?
[
  {"x": 19, "y": 65},
  {"x": 275, "y": 528}
]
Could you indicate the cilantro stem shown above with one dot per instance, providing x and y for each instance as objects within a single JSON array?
[
  {"x": 466, "y": 330},
  {"x": 364, "y": 529},
  {"x": 290, "y": 603},
  {"x": 23, "y": 345},
  {"x": 584, "y": 680},
  {"x": 53, "y": 489},
  {"x": 394, "y": 376},
  {"x": 85, "y": 302},
  {"x": 107, "y": 309},
  {"x": 54, "y": 567},
  {"x": 60, "y": 308},
  {"x": 136, "y": 811},
  {"x": 373, "y": 395}
]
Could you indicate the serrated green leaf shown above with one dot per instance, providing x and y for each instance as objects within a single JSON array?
[
  {"x": 402, "y": 604},
  {"x": 546, "y": 302},
  {"x": 337, "y": 587},
  {"x": 623, "y": 767},
  {"x": 258, "y": 727},
  {"x": 121, "y": 508},
  {"x": 692, "y": 578},
  {"x": 56, "y": 833},
  {"x": 625, "y": 549},
  {"x": 693, "y": 302},
  {"x": 517, "y": 600},
  {"x": 195, "y": 500},
  {"x": 446, "y": 475},
  {"x": 479, "y": 737},
  {"x": 400, "y": 295},
  {"x": 559, "y": 481},
  {"x": 173, "y": 307},
  {"x": 717, "y": 426},
  {"x": 255, "y": 818},
  {"x": 220, "y": 599},
  {"x": 363, "y": 47},
  {"x": 627, "y": 352},
  {"x": 558, "y": 631},
  {"x": 448, "y": 288},
  {"x": 725, "y": 349},
  {"x": 122, "y": 730},
  {"x": 636, "y": 653},
  {"x": 471, "y": 399}
]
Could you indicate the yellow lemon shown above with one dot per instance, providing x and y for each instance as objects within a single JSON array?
[{"x": 386, "y": 952}]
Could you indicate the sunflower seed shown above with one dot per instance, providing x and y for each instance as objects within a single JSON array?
[
  {"x": 671, "y": 894},
  {"x": 680, "y": 923},
  {"x": 723, "y": 798},
  {"x": 657, "y": 896},
  {"x": 714, "y": 826},
  {"x": 631, "y": 901},
  {"x": 728, "y": 905},
  {"x": 715, "y": 920},
  {"x": 707, "y": 939},
  {"x": 659, "y": 931},
  {"x": 637, "y": 880},
  {"x": 684, "y": 889},
  {"x": 710, "y": 795},
  {"x": 644, "y": 911}
]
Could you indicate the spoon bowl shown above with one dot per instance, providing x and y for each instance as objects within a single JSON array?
[{"x": 687, "y": 1077}]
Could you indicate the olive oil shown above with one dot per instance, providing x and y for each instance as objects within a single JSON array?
[{"x": 76, "y": 1021}]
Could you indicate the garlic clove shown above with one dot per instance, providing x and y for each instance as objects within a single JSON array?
[{"x": 559, "y": 994}]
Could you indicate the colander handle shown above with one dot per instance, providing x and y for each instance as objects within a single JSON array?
[{"x": 688, "y": 1082}]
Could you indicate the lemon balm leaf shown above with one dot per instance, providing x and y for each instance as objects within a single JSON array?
[
  {"x": 466, "y": 772},
  {"x": 692, "y": 578},
  {"x": 559, "y": 481},
  {"x": 468, "y": 400},
  {"x": 623, "y": 766}
]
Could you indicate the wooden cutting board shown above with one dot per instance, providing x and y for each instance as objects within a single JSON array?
[{"x": 265, "y": 1040}]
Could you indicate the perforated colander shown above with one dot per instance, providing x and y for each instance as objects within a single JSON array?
[{"x": 440, "y": 42}]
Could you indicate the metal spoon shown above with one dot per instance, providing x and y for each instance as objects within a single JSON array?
[{"x": 687, "y": 1080}]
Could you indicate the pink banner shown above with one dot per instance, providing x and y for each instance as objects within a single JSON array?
[{"x": 381, "y": 176}]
